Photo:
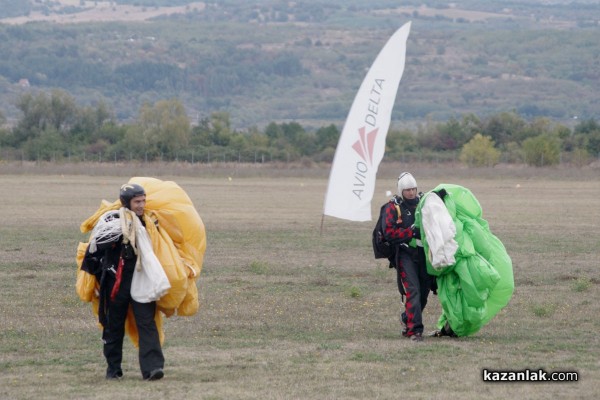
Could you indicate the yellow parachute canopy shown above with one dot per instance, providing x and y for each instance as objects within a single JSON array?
[{"x": 179, "y": 242}]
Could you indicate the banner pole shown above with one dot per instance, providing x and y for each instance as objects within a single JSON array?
[{"x": 322, "y": 219}]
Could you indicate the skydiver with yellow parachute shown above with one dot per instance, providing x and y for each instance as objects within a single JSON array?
[{"x": 143, "y": 258}]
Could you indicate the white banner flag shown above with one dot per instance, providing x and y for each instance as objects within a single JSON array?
[{"x": 362, "y": 142}]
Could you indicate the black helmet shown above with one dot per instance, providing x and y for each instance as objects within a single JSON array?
[{"x": 129, "y": 191}]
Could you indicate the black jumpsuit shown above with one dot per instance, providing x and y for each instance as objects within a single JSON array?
[
  {"x": 104, "y": 264},
  {"x": 412, "y": 277}
]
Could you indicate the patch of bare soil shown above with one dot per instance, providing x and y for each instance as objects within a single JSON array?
[
  {"x": 455, "y": 13},
  {"x": 101, "y": 11},
  {"x": 452, "y": 12}
]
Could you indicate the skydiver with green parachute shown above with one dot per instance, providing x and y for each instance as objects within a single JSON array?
[{"x": 472, "y": 268}]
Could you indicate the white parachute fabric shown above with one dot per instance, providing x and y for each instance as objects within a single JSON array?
[
  {"x": 480, "y": 283},
  {"x": 149, "y": 281},
  {"x": 439, "y": 230},
  {"x": 107, "y": 230}
]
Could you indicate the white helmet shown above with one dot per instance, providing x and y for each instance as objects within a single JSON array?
[{"x": 405, "y": 181}]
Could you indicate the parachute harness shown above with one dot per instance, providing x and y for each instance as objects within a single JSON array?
[
  {"x": 129, "y": 224},
  {"x": 128, "y": 220}
]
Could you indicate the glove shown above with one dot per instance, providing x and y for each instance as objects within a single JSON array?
[{"x": 416, "y": 232}]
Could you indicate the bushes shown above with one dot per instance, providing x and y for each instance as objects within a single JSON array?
[
  {"x": 54, "y": 127},
  {"x": 480, "y": 152},
  {"x": 542, "y": 150}
]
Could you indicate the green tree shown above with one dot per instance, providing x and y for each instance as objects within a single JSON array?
[
  {"x": 258, "y": 139},
  {"x": 593, "y": 143},
  {"x": 63, "y": 111},
  {"x": 162, "y": 129},
  {"x": 45, "y": 128},
  {"x": 479, "y": 152},
  {"x": 136, "y": 144},
  {"x": 5, "y": 136},
  {"x": 40, "y": 112},
  {"x": 538, "y": 126},
  {"x": 587, "y": 126},
  {"x": 542, "y": 150},
  {"x": 512, "y": 153},
  {"x": 327, "y": 136},
  {"x": 398, "y": 142},
  {"x": 90, "y": 122},
  {"x": 273, "y": 131},
  {"x": 298, "y": 141},
  {"x": 504, "y": 127},
  {"x": 48, "y": 146},
  {"x": 450, "y": 135},
  {"x": 589, "y": 131},
  {"x": 201, "y": 133},
  {"x": 220, "y": 128}
]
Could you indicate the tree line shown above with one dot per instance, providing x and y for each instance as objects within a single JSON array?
[{"x": 53, "y": 127}]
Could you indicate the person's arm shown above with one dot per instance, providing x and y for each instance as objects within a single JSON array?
[
  {"x": 91, "y": 262},
  {"x": 393, "y": 231}
]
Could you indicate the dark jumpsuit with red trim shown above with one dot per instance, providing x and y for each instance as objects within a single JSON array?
[{"x": 412, "y": 277}]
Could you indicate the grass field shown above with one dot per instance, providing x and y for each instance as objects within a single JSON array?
[{"x": 287, "y": 313}]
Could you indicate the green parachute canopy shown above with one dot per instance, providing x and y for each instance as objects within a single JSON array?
[{"x": 480, "y": 282}]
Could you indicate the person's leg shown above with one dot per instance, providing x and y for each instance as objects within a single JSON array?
[
  {"x": 112, "y": 336},
  {"x": 410, "y": 281},
  {"x": 424, "y": 278},
  {"x": 403, "y": 317},
  {"x": 150, "y": 352}
]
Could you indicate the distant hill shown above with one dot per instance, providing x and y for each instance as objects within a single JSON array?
[{"x": 303, "y": 61}]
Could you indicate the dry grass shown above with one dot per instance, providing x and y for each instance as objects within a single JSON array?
[{"x": 287, "y": 313}]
